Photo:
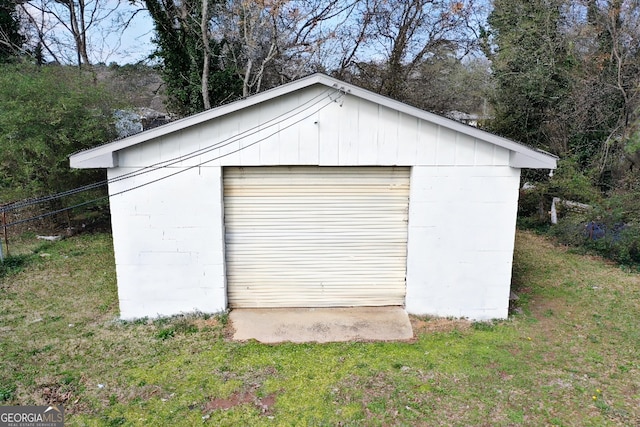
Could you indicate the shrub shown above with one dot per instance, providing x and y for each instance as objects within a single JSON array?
[
  {"x": 46, "y": 114},
  {"x": 610, "y": 229},
  {"x": 621, "y": 244},
  {"x": 568, "y": 183}
]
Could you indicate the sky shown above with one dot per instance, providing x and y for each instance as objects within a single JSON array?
[
  {"x": 107, "y": 46},
  {"x": 107, "y": 43},
  {"x": 134, "y": 44}
]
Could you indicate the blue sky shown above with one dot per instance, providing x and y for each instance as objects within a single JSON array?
[{"x": 135, "y": 42}]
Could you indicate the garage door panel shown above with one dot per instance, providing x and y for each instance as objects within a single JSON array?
[{"x": 316, "y": 237}]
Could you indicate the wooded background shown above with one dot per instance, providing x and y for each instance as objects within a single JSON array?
[{"x": 559, "y": 75}]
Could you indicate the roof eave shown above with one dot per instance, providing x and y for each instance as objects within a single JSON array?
[
  {"x": 522, "y": 156},
  {"x": 86, "y": 160},
  {"x": 532, "y": 160},
  {"x": 97, "y": 157},
  {"x": 105, "y": 156}
]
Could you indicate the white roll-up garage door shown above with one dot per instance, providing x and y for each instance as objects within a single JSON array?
[{"x": 316, "y": 236}]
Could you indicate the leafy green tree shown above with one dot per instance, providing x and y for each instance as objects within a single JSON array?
[
  {"x": 567, "y": 74},
  {"x": 531, "y": 70},
  {"x": 46, "y": 114},
  {"x": 10, "y": 38},
  {"x": 189, "y": 56},
  {"x": 607, "y": 96}
]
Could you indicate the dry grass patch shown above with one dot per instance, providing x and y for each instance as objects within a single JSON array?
[
  {"x": 569, "y": 359},
  {"x": 425, "y": 325}
]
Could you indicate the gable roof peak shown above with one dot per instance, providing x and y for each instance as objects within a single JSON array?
[{"x": 105, "y": 155}]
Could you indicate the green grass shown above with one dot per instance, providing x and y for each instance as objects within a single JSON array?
[{"x": 570, "y": 358}]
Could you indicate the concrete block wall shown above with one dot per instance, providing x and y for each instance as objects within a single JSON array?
[
  {"x": 461, "y": 239},
  {"x": 169, "y": 242}
]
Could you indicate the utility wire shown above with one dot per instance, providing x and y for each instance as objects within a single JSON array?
[
  {"x": 30, "y": 202},
  {"x": 227, "y": 141},
  {"x": 47, "y": 214},
  {"x": 165, "y": 163}
]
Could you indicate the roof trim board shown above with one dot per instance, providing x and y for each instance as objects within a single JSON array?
[{"x": 105, "y": 156}]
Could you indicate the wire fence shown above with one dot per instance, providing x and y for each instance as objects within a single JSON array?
[{"x": 33, "y": 220}]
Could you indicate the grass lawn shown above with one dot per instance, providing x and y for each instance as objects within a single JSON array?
[{"x": 570, "y": 358}]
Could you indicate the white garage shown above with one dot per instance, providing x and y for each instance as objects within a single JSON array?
[{"x": 314, "y": 194}]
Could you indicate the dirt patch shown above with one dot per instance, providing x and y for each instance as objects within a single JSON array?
[
  {"x": 55, "y": 395},
  {"x": 210, "y": 322},
  {"x": 423, "y": 325},
  {"x": 229, "y": 402},
  {"x": 61, "y": 394},
  {"x": 228, "y": 331},
  {"x": 264, "y": 404},
  {"x": 267, "y": 403}
]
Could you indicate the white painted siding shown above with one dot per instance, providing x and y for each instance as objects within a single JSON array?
[
  {"x": 168, "y": 242},
  {"x": 461, "y": 238},
  {"x": 349, "y": 131}
]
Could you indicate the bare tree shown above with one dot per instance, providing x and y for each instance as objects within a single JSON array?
[
  {"x": 206, "y": 48},
  {"x": 351, "y": 38},
  {"x": 389, "y": 39},
  {"x": 39, "y": 30},
  {"x": 76, "y": 31},
  {"x": 276, "y": 40}
]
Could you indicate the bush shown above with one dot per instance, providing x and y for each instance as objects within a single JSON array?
[
  {"x": 568, "y": 183},
  {"x": 533, "y": 209},
  {"x": 46, "y": 114},
  {"x": 620, "y": 243},
  {"x": 610, "y": 229}
]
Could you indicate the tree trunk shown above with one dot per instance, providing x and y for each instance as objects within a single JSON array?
[{"x": 204, "y": 29}]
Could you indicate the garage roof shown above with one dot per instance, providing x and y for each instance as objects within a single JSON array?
[{"x": 105, "y": 156}]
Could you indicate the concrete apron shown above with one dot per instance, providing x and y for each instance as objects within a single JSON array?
[{"x": 275, "y": 325}]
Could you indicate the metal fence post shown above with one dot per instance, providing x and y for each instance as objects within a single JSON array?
[
  {"x": 5, "y": 231},
  {"x": 6, "y": 238}
]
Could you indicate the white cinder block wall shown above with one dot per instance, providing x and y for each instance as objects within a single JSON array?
[
  {"x": 169, "y": 242},
  {"x": 461, "y": 238}
]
